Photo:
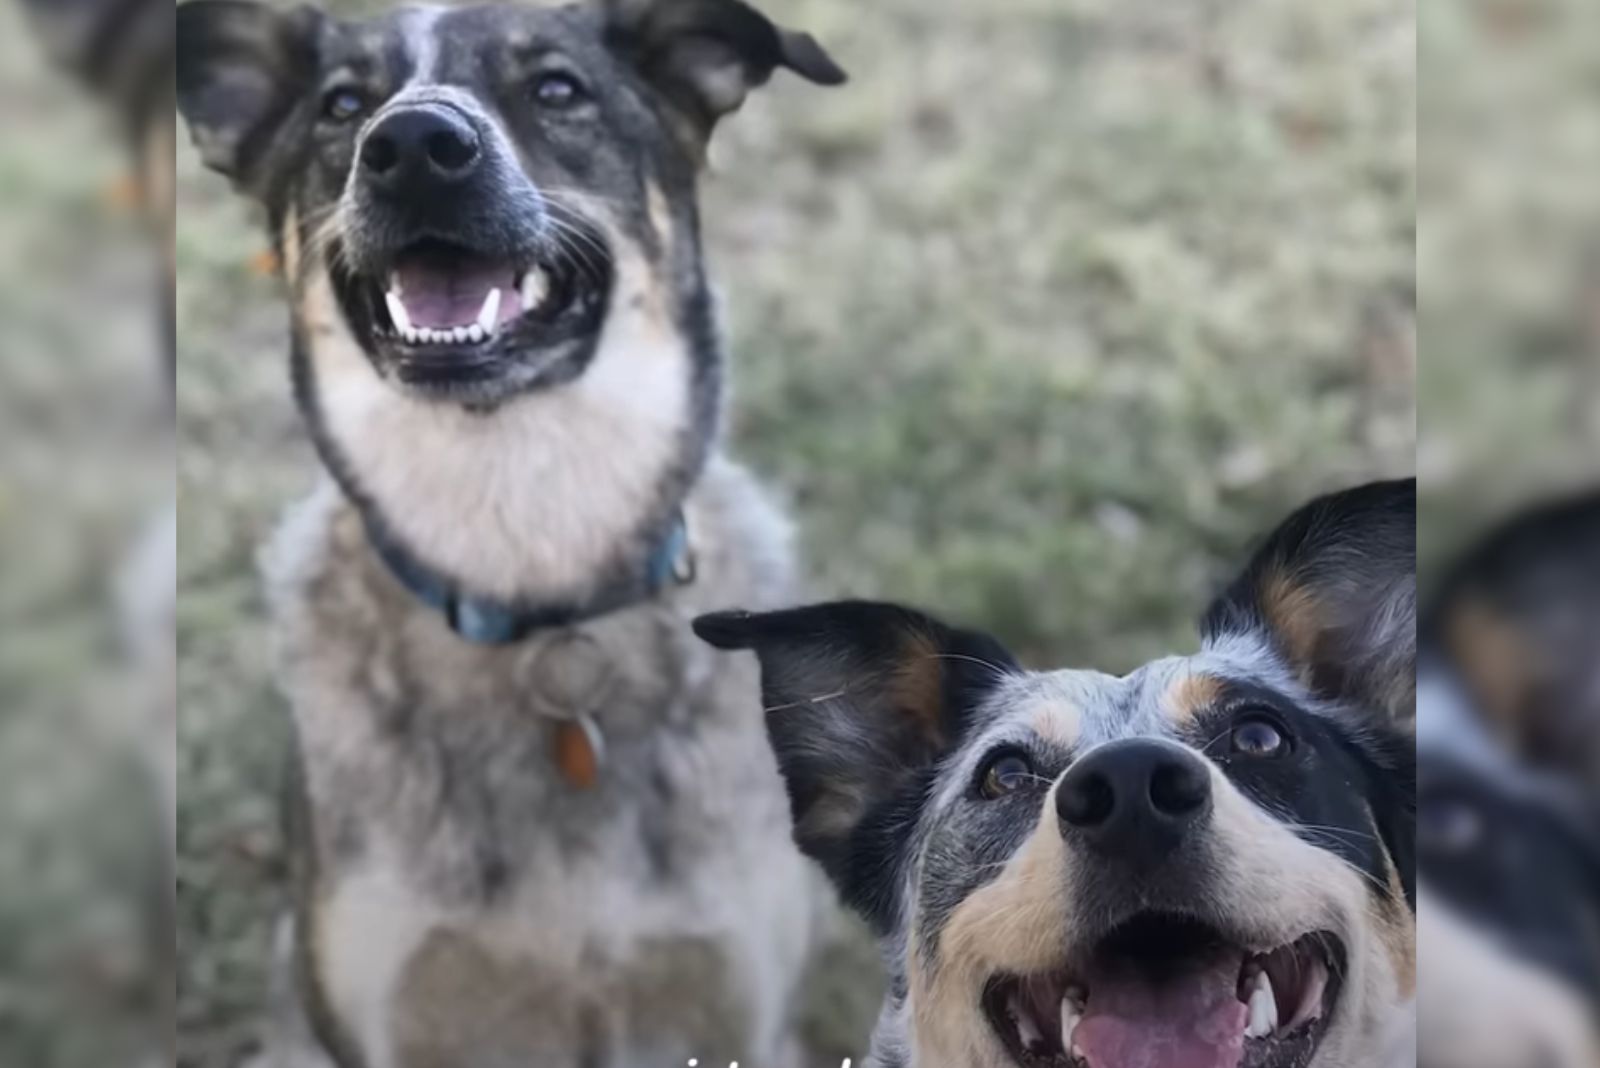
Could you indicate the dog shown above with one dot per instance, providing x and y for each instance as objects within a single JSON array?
[
  {"x": 1509, "y": 798},
  {"x": 533, "y": 820},
  {"x": 1205, "y": 863}
]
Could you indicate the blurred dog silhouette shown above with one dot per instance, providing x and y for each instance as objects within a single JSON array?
[{"x": 1508, "y": 819}]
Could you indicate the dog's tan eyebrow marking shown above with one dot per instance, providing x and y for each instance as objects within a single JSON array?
[
  {"x": 1190, "y": 695},
  {"x": 1058, "y": 721}
]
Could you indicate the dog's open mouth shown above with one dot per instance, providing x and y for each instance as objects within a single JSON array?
[
  {"x": 447, "y": 317},
  {"x": 1165, "y": 992}
]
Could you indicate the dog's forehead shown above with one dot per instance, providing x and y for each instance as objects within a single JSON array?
[
  {"x": 1076, "y": 709},
  {"x": 437, "y": 43}
]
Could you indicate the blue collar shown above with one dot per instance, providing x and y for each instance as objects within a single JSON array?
[{"x": 486, "y": 621}]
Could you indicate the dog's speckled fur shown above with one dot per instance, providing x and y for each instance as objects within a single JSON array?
[
  {"x": 459, "y": 902},
  {"x": 885, "y": 722},
  {"x": 458, "y": 895}
]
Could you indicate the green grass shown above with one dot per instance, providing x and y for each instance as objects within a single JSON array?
[
  {"x": 1036, "y": 323},
  {"x": 1508, "y": 261},
  {"x": 84, "y": 457}
]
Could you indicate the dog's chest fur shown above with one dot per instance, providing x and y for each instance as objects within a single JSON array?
[{"x": 468, "y": 905}]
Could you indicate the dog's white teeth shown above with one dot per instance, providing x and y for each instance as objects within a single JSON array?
[
  {"x": 1071, "y": 1014},
  {"x": 1316, "y": 984},
  {"x": 1263, "y": 1008},
  {"x": 1027, "y": 1030},
  {"x": 397, "y": 311},
  {"x": 476, "y": 333},
  {"x": 489, "y": 314},
  {"x": 535, "y": 287}
]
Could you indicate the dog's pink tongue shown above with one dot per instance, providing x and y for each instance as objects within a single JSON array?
[
  {"x": 448, "y": 291},
  {"x": 1191, "y": 1021}
]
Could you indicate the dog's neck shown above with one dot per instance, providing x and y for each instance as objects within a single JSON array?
[{"x": 550, "y": 499}]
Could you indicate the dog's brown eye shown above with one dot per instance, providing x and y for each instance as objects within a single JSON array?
[
  {"x": 1005, "y": 774},
  {"x": 343, "y": 104},
  {"x": 1258, "y": 738},
  {"x": 557, "y": 90}
]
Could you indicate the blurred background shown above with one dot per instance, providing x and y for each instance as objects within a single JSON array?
[
  {"x": 86, "y": 557},
  {"x": 1038, "y": 322},
  {"x": 1508, "y": 259}
]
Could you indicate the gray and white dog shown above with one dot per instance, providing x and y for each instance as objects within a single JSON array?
[
  {"x": 536, "y": 823},
  {"x": 1205, "y": 863}
]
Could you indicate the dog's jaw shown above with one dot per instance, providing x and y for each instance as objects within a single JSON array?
[{"x": 538, "y": 498}]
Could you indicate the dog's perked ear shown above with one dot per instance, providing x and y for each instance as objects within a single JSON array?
[
  {"x": 1334, "y": 590},
  {"x": 704, "y": 56},
  {"x": 241, "y": 68},
  {"x": 862, "y": 699}
]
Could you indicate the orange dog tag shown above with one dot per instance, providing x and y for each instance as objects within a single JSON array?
[{"x": 578, "y": 749}]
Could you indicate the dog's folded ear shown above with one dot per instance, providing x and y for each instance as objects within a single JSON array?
[
  {"x": 1334, "y": 590},
  {"x": 241, "y": 68},
  {"x": 705, "y": 56},
  {"x": 861, "y": 699}
]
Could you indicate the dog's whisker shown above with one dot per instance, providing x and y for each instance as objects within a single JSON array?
[
  {"x": 577, "y": 240},
  {"x": 808, "y": 701},
  {"x": 573, "y": 222},
  {"x": 999, "y": 670},
  {"x": 1346, "y": 832},
  {"x": 1377, "y": 883},
  {"x": 572, "y": 241}
]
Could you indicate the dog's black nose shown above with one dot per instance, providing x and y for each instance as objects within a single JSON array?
[
  {"x": 420, "y": 149},
  {"x": 1135, "y": 799}
]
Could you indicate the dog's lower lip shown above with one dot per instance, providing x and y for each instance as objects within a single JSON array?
[{"x": 1287, "y": 995}]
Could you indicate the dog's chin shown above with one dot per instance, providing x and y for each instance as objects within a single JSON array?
[
  {"x": 451, "y": 323},
  {"x": 1163, "y": 990}
]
